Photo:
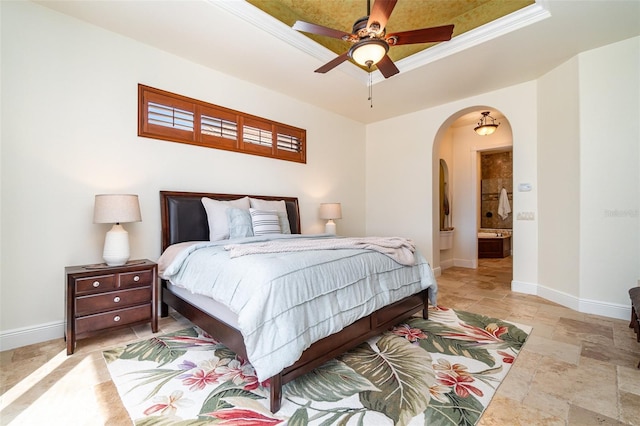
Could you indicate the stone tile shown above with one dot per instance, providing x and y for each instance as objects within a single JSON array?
[
  {"x": 547, "y": 403},
  {"x": 566, "y": 352},
  {"x": 610, "y": 354},
  {"x": 629, "y": 379},
  {"x": 577, "y": 332},
  {"x": 591, "y": 384},
  {"x": 630, "y": 408},
  {"x": 110, "y": 406},
  {"x": 584, "y": 417},
  {"x": 506, "y": 411}
]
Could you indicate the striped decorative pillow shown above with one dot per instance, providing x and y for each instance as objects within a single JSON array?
[{"x": 265, "y": 222}]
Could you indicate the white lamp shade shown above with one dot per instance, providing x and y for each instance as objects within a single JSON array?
[
  {"x": 116, "y": 208},
  {"x": 330, "y": 211}
]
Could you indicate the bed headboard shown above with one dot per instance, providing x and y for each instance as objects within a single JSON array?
[{"x": 183, "y": 216}]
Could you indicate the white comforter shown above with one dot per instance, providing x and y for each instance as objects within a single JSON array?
[{"x": 287, "y": 301}]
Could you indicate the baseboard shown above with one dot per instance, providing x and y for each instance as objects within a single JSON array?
[
  {"x": 437, "y": 271},
  {"x": 446, "y": 264},
  {"x": 29, "y": 335},
  {"x": 523, "y": 287},
  {"x": 587, "y": 306},
  {"x": 605, "y": 309},
  {"x": 466, "y": 263}
]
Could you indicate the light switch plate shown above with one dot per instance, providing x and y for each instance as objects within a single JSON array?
[
  {"x": 525, "y": 216},
  {"x": 524, "y": 187}
]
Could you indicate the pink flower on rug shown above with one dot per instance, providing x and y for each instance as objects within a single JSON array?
[
  {"x": 490, "y": 334},
  {"x": 411, "y": 334},
  {"x": 240, "y": 373},
  {"x": 168, "y": 405},
  {"x": 460, "y": 384},
  {"x": 439, "y": 393},
  {"x": 241, "y": 417},
  {"x": 507, "y": 358},
  {"x": 454, "y": 370},
  {"x": 199, "y": 379}
]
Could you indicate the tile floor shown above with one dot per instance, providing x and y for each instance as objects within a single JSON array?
[{"x": 575, "y": 369}]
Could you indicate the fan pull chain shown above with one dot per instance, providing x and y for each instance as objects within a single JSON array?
[{"x": 370, "y": 89}]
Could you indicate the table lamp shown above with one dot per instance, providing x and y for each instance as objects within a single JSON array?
[
  {"x": 330, "y": 211},
  {"x": 116, "y": 209}
]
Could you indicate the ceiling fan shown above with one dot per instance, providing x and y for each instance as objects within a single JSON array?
[{"x": 371, "y": 41}]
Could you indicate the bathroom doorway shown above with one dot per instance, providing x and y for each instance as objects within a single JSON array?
[{"x": 496, "y": 201}]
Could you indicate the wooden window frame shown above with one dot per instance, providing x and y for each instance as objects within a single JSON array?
[{"x": 220, "y": 119}]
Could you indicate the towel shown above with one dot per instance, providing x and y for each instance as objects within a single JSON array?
[{"x": 503, "y": 205}]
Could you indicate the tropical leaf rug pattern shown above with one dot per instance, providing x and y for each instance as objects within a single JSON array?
[{"x": 441, "y": 371}]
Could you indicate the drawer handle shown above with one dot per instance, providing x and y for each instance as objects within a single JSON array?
[
  {"x": 96, "y": 284},
  {"x": 116, "y": 318},
  {"x": 116, "y": 299},
  {"x": 136, "y": 278}
]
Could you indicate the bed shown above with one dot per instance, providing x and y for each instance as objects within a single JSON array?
[{"x": 184, "y": 220}]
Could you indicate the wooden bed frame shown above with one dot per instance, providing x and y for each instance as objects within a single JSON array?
[{"x": 184, "y": 219}]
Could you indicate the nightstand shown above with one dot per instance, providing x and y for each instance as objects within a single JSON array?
[{"x": 101, "y": 297}]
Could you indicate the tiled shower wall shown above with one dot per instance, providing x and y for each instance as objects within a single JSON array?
[{"x": 496, "y": 173}]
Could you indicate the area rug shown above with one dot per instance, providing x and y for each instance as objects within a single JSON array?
[{"x": 441, "y": 371}]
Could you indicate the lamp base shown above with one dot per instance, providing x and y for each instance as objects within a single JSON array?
[
  {"x": 330, "y": 227},
  {"x": 116, "y": 246}
]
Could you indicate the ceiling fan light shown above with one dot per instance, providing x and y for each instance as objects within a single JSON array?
[
  {"x": 368, "y": 52},
  {"x": 484, "y": 127}
]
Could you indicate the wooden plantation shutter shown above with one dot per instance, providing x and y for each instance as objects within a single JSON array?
[{"x": 168, "y": 116}]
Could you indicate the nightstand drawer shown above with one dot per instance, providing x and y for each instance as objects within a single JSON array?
[
  {"x": 86, "y": 305},
  {"x": 113, "y": 318},
  {"x": 101, "y": 297},
  {"x": 96, "y": 284},
  {"x": 136, "y": 279}
]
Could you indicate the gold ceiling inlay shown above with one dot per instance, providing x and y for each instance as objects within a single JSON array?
[{"x": 407, "y": 15}]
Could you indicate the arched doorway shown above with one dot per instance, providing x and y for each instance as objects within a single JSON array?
[{"x": 460, "y": 148}]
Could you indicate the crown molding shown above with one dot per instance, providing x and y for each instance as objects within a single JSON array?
[{"x": 512, "y": 22}]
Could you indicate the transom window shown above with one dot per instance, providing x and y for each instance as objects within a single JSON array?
[{"x": 168, "y": 116}]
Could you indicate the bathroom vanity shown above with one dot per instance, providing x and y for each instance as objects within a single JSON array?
[{"x": 492, "y": 245}]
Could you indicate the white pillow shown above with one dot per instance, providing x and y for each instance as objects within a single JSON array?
[
  {"x": 278, "y": 206},
  {"x": 217, "y": 215},
  {"x": 265, "y": 222}
]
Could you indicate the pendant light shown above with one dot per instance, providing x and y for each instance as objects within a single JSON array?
[{"x": 486, "y": 127}]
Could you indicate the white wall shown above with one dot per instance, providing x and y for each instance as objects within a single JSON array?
[
  {"x": 402, "y": 172},
  {"x": 590, "y": 180},
  {"x": 609, "y": 81},
  {"x": 559, "y": 180},
  {"x": 69, "y": 115}
]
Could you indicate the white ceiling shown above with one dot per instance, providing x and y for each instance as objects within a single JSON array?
[{"x": 233, "y": 37}]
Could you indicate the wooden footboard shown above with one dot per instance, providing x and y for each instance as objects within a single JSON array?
[{"x": 318, "y": 353}]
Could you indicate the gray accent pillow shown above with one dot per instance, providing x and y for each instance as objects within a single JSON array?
[{"x": 240, "y": 224}]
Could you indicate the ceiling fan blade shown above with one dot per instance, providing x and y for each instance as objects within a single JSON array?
[
  {"x": 333, "y": 63},
  {"x": 307, "y": 27},
  {"x": 424, "y": 35},
  {"x": 387, "y": 67},
  {"x": 380, "y": 12}
]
